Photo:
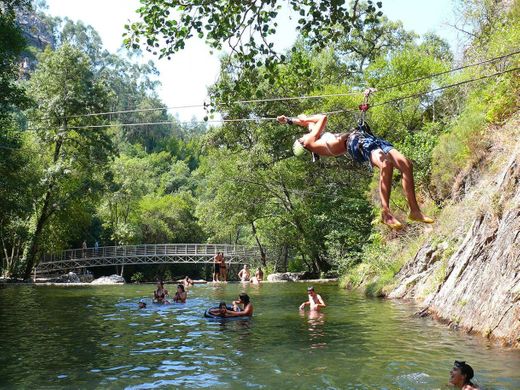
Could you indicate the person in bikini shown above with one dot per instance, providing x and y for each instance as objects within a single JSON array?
[
  {"x": 362, "y": 147},
  {"x": 159, "y": 295},
  {"x": 315, "y": 301},
  {"x": 180, "y": 295}
]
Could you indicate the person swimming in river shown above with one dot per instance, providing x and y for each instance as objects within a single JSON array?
[
  {"x": 461, "y": 375},
  {"x": 315, "y": 301},
  {"x": 241, "y": 307},
  {"x": 160, "y": 294},
  {"x": 362, "y": 147},
  {"x": 142, "y": 305},
  {"x": 180, "y": 295}
]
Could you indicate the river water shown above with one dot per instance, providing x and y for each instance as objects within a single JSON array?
[{"x": 96, "y": 337}]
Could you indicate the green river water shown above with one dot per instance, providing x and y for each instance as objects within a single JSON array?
[{"x": 96, "y": 337}]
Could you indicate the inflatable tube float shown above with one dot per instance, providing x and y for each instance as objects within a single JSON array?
[{"x": 207, "y": 314}]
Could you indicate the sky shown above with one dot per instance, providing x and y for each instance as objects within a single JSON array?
[{"x": 187, "y": 75}]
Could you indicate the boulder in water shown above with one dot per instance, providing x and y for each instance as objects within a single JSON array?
[
  {"x": 286, "y": 277},
  {"x": 86, "y": 278},
  {"x": 71, "y": 277},
  {"x": 112, "y": 279}
]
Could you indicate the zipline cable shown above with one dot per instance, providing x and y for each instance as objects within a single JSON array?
[
  {"x": 304, "y": 97},
  {"x": 260, "y": 119},
  {"x": 426, "y": 92}
]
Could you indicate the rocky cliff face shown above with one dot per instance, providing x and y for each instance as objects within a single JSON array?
[{"x": 471, "y": 279}]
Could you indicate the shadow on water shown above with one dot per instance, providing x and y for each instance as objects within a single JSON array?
[{"x": 97, "y": 337}]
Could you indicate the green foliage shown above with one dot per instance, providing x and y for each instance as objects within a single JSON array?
[
  {"x": 239, "y": 183},
  {"x": 167, "y": 219},
  {"x": 166, "y": 26},
  {"x": 137, "y": 277},
  {"x": 72, "y": 156}
]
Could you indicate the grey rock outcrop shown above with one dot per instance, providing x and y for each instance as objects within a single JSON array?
[
  {"x": 476, "y": 285},
  {"x": 286, "y": 277},
  {"x": 112, "y": 279},
  {"x": 86, "y": 277},
  {"x": 71, "y": 277}
]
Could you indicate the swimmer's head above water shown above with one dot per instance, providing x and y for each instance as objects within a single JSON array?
[
  {"x": 142, "y": 305},
  {"x": 222, "y": 308},
  {"x": 461, "y": 373},
  {"x": 244, "y": 298}
]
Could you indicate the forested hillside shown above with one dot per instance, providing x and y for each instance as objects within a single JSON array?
[{"x": 68, "y": 175}]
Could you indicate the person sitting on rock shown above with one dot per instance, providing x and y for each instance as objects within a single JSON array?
[{"x": 461, "y": 375}]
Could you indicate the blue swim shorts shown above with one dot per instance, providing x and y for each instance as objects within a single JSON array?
[{"x": 360, "y": 146}]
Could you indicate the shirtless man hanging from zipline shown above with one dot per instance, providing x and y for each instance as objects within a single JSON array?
[{"x": 362, "y": 147}]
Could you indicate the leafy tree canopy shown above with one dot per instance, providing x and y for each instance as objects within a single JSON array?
[{"x": 247, "y": 27}]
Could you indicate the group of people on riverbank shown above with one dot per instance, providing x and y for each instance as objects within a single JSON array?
[{"x": 220, "y": 271}]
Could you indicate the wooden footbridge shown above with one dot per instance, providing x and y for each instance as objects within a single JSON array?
[{"x": 81, "y": 259}]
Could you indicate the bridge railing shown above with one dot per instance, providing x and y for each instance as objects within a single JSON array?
[{"x": 90, "y": 256}]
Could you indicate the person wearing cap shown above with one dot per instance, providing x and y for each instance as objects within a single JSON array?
[
  {"x": 362, "y": 146},
  {"x": 315, "y": 301},
  {"x": 461, "y": 375}
]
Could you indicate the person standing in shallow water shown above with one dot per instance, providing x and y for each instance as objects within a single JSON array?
[
  {"x": 180, "y": 295},
  {"x": 461, "y": 375},
  {"x": 362, "y": 147},
  {"x": 159, "y": 295},
  {"x": 315, "y": 301},
  {"x": 244, "y": 274}
]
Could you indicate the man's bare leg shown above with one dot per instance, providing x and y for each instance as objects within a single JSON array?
[
  {"x": 386, "y": 167},
  {"x": 405, "y": 166}
]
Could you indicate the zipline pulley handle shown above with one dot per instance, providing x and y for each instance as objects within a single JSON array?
[{"x": 365, "y": 106}]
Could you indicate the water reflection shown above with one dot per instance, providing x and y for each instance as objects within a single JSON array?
[{"x": 315, "y": 327}]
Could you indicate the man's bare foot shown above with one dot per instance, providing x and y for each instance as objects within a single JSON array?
[
  {"x": 388, "y": 219},
  {"x": 420, "y": 217}
]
